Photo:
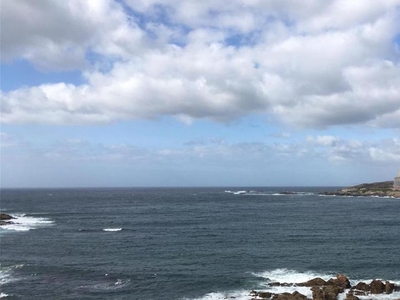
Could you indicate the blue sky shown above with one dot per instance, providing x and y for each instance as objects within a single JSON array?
[{"x": 199, "y": 93}]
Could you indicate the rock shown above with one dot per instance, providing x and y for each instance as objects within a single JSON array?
[
  {"x": 280, "y": 284},
  {"x": 340, "y": 281},
  {"x": 264, "y": 295},
  {"x": 389, "y": 287},
  {"x": 344, "y": 281},
  {"x": 317, "y": 293},
  {"x": 351, "y": 297},
  {"x": 287, "y": 296},
  {"x": 377, "y": 287},
  {"x": 298, "y": 296},
  {"x": 274, "y": 284},
  {"x": 5, "y": 217},
  {"x": 313, "y": 282},
  {"x": 362, "y": 286},
  {"x": 329, "y": 292},
  {"x": 6, "y": 223},
  {"x": 253, "y": 293}
]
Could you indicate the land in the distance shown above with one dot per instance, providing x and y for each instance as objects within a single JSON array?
[{"x": 377, "y": 189}]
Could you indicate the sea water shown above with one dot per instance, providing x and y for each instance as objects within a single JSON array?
[{"x": 197, "y": 243}]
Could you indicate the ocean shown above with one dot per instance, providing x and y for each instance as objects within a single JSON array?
[{"x": 190, "y": 243}]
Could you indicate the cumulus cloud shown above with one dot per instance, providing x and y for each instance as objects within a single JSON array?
[
  {"x": 318, "y": 64},
  {"x": 57, "y": 35}
]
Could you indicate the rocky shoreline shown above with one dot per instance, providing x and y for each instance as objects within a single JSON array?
[
  {"x": 330, "y": 290},
  {"x": 376, "y": 189}
]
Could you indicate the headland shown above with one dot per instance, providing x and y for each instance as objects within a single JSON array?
[{"x": 376, "y": 189}]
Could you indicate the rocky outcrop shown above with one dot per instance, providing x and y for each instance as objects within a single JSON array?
[
  {"x": 377, "y": 189},
  {"x": 283, "y": 296},
  {"x": 329, "y": 290},
  {"x": 4, "y": 216},
  {"x": 5, "y": 219}
]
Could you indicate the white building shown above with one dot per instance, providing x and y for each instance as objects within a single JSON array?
[{"x": 396, "y": 184}]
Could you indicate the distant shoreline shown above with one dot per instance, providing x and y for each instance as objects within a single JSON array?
[{"x": 376, "y": 189}]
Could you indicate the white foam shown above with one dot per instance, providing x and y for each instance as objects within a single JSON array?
[
  {"x": 25, "y": 223},
  {"x": 3, "y": 295},
  {"x": 5, "y": 276},
  {"x": 237, "y": 295},
  {"x": 236, "y": 193},
  {"x": 291, "y": 276},
  {"x": 112, "y": 229},
  {"x": 239, "y": 192}
]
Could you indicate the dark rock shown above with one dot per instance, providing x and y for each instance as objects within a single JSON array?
[
  {"x": 6, "y": 223},
  {"x": 351, "y": 297},
  {"x": 389, "y": 287},
  {"x": 340, "y": 281},
  {"x": 377, "y": 287},
  {"x": 5, "y": 217},
  {"x": 298, "y": 296},
  {"x": 264, "y": 295},
  {"x": 362, "y": 286},
  {"x": 329, "y": 292},
  {"x": 317, "y": 293},
  {"x": 313, "y": 282},
  {"x": 287, "y": 296},
  {"x": 344, "y": 281},
  {"x": 280, "y": 284}
]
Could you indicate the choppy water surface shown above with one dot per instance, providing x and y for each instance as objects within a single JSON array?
[{"x": 189, "y": 243}]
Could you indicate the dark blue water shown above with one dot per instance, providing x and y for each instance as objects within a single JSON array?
[{"x": 188, "y": 243}]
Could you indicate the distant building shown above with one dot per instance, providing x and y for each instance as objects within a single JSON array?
[{"x": 396, "y": 184}]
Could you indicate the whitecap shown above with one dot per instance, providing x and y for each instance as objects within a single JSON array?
[
  {"x": 3, "y": 295},
  {"x": 112, "y": 229}
]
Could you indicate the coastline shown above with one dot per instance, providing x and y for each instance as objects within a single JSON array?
[
  {"x": 382, "y": 189},
  {"x": 334, "y": 288}
]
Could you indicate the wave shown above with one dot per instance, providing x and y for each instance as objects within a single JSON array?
[
  {"x": 22, "y": 222},
  {"x": 236, "y": 192},
  {"x": 112, "y": 229},
  {"x": 106, "y": 285},
  {"x": 6, "y": 275},
  {"x": 290, "y": 276}
]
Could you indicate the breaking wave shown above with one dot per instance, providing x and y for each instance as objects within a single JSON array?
[{"x": 23, "y": 222}]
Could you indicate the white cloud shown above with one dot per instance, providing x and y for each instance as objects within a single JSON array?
[
  {"x": 57, "y": 35},
  {"x": 318, "y": 64}
]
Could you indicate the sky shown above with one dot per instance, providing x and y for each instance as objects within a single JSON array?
[{"x": 129, "y": 93}]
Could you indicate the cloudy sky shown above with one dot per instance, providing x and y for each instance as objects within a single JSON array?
[{"x": 199, "y": 93}]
